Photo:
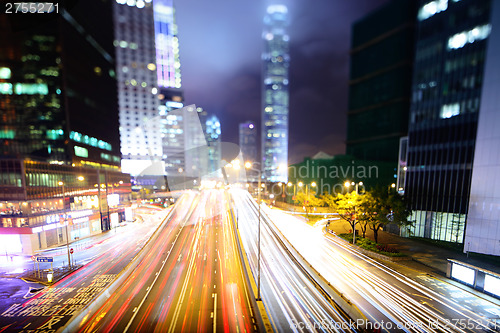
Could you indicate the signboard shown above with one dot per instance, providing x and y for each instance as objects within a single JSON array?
[{"x": 44, "y": 259}]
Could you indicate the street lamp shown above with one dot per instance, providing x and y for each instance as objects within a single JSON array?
[
  {"x": 249, "y": 165},
  {"x": 61, "y": 183}
]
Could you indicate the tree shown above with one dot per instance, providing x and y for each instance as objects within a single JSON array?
[
  {"x": 386, "y": 208},
  {"x": 348, "y": 206},
  {"x": 308, "y": 201}
]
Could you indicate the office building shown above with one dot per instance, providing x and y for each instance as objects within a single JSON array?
[
  {"x": 248, "y": 146},
  {"x": 60, "y": 107},
  {"x": 137, "y": 86},
  {"x": 382, "y": 50},
  {"x": 275, "y": 96},
  {"x": 455, "y": 49},
  {"x": 60, "y": 163},
  {"x": 213, "y": 135}
]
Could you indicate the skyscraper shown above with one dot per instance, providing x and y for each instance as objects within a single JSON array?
[
  {"x": 248, "y": 145},
  {"x": 382, "y": 50},
  {"x": 136, "y": 66},
  {"x": 453, "y": 49},
  {"x": 276, "y": 60},
  {"x": 59, "y": 128},
  {"x": 58, "y": 89},
  {"x": 213, "y": 135}
]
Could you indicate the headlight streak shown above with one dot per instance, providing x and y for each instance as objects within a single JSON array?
[
  {"x": 398, "y": 302},
  {"x": 281, "y": 276}
]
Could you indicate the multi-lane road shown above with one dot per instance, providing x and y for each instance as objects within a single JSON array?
[
  {"x": 414, "y": 302},
  {"x": 292, "y": 298},
  {"x": 52, "y": 307},
  {"x": 181, "y": 271},
  {"x": 191, "y": 279}
]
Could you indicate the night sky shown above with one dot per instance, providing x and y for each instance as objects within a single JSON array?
[{"x": 220, "y": 50}]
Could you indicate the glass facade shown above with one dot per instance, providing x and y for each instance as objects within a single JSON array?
[
  {"x": 168, "y": 66},
  {"x": 32, "y": 193},
  {"x": 213, "y": 135},
  {"x": 275, "y": 95},
  {"x": 380, "y": 80},
  {"x": 446, "y": 92},
  {"x": 46, "y": 94}
]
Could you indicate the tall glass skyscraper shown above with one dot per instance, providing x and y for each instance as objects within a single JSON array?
[
  {"x": 168, "y": 66},
  {"x": 275, "y": 97}
]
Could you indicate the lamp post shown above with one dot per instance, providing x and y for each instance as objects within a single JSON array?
[
  {"x": 61, "y": 183},
  {"x": 249, "y": 165},
  {"x": 348, "y": 184}
]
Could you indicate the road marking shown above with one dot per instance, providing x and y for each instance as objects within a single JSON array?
[
  {"x": 215, "y": 312},
  {"x": 26, "y": 326},
  {"x": 149, "y": 288},
  {"x": 135, "y": 309}
]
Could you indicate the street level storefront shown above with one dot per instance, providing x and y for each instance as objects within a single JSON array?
[{"x": 40, "y": 200}]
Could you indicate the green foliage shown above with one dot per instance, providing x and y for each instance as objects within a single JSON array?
[
  {"x": 370, "y": 245},
  {"x": 308, "y": 201},
  {"x": 374, "y": 209}
]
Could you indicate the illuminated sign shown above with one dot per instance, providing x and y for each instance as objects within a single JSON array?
[
  {"x": 81, "y": 213},
  {"x": 463, "y": 274},
  {"x": 52, "y": 219},
  {"x": 49, "y": 227},
  {"x": 492, "y": 284}
]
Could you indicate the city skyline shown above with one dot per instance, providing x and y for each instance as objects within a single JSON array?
[{"x": 221, "y": 43}]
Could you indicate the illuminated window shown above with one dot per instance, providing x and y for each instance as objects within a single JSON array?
[
  {"x": 466, "y": 37},
  {"x": 450, "y": 110},
  {"x": 5, "y": 73},
  {"x": 432, "y": 8},
  {"x": 6, "y": 88},
  {"x": 31, "y": 89},
  {"x": 82, "y": 152}
]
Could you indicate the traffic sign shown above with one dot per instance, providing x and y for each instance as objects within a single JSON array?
[
  {"x": 71, "y": 250},
  {"x": 33, "y": 258},
  {"x": 44, "y": 259}
]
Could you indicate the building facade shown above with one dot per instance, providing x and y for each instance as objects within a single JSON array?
[
  {"x": 60, "y": 163},
  {"x": 58, "y": 88},
  {"x": 137, "y": 85},
  {"x": 452, "y": 47},
  {"x": 213, "y": 135},
  {"x": 275, "y": 95},
  {"x": 482, "y": 231},
  {"x": 39, "y": 200},
  {"x": 248, "y": 146},
  {"x": 382, "y": 50}
]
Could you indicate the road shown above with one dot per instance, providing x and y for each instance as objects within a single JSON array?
[
  {"x": 292, "y": 300},
  {"x": 190, "y": 280},
  {"x": 50, "y": 308},
  {"x": 385, "y": 295}
]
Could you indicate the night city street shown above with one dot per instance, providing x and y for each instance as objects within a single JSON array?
[{"x": 250, "y": 166}]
